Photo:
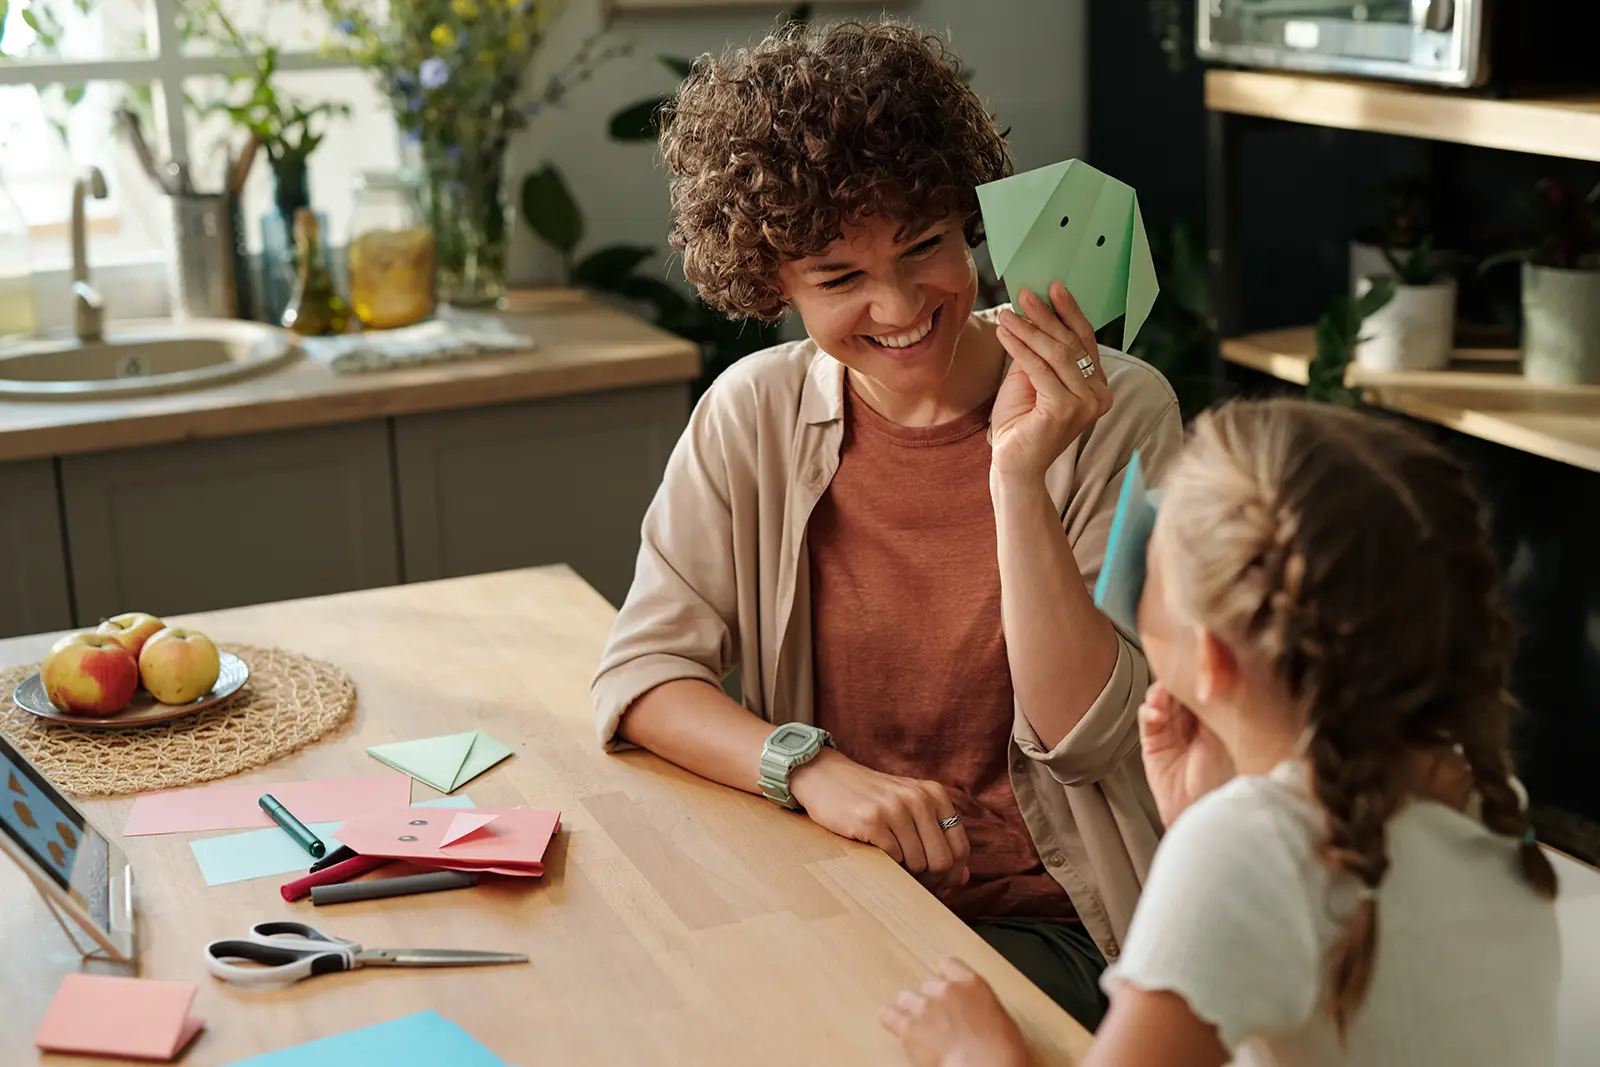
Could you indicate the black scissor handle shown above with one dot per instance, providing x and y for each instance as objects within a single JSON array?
[{"x": 322, "y": 961}]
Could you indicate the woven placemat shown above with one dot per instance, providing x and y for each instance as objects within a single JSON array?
[{"x": 290, "y": 701}]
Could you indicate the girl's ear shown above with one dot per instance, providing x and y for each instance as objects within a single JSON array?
[{"x": 1218, "y": 673}]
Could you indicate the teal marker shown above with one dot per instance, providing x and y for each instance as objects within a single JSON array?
[{"x": 292, "y": 826}]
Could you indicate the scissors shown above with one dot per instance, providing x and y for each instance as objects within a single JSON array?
[{"x": 278, "y": 953}]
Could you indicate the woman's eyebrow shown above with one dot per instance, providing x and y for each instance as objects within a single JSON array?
[{"x": 827, "y": 268}]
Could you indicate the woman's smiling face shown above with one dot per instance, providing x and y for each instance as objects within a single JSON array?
[{"x": 890, "y": 310}]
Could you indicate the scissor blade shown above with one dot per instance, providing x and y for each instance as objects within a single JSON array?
[{"x": 434, "y": 957}]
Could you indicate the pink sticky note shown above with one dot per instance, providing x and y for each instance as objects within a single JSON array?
[
  {"x": 237, "y": 807},
  {"x": 511, "y": 841},
  {"x": 134, "y": 1018},
  {"x": 465, "y": 824}
]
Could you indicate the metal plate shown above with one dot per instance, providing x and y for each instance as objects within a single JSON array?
[{"x": 143, "y": 709}]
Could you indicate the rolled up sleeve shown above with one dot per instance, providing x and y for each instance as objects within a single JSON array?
[
  {"x": 1106, "y": 735},
  {"x": 679, "y": 618}
]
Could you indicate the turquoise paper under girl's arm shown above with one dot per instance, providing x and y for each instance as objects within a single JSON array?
[{"x": 1121, "y": 581}]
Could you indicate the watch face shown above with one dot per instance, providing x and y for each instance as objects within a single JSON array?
[{"x": 790, "y": 740}]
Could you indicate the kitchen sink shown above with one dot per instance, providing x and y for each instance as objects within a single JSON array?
[{"x": 138, "y": 358}]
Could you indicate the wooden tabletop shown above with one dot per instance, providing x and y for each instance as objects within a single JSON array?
[
  {"x": 1567, "y": 127},
  {"x": 679, "y": 922},
  {"x": 1490, "y": 400},
  {"x": 582, "y": 346}
]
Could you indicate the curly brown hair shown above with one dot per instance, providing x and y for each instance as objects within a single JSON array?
[
  {"x": 1350, "y": 554},
  {"x": 775, "y": 147}
]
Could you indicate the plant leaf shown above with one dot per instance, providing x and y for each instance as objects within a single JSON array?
[
  {"x": 551, "y": 211},
  {"x": 640, "y": 121},
  {"x": 681, "y": 67},
  {"x": 1367, "y": 303},
  {"x": 604, "y": 268}
]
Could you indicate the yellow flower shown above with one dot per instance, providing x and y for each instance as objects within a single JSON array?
[
  {"x": 467, "y": 9},
  {"x": 444, "y": 36},
  {"x": 516, "y": 41}
]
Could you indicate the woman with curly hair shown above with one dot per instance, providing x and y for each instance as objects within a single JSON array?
[
  {"x": 1350, "y": 877},
  {"x": 890, "y": 528}
]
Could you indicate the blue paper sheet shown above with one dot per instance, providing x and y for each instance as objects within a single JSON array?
[
  {"x": 426, "y": 1039},
  {"x": 1121, "y": 580},
  {"x": 264, "y": 853}
]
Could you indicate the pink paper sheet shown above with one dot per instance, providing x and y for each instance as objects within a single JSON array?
[
  {"x": 235, "y": 807},
  {"x": 512, "y": 842},
  {"x": 108, "y": 1015}
]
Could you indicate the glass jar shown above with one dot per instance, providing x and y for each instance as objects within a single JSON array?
[
  {"x": 18, "y": 315},
  {"x": 390, "y": 252}
]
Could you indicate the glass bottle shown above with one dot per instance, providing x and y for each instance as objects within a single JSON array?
[
  {"x": 316, "y": 308},
  {"x": 18, "y": 314},
  {"x": 391, "y": 252}
]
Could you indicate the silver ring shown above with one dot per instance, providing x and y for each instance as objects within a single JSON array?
[
  {"x": 1086, "y": 365},
  {"x": 951, "y": 823}
]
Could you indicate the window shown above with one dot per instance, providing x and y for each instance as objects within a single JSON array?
[{"x": 67, "y": 66}]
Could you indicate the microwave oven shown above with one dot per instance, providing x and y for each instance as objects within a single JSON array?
[{"x": 1502, "y": 46}]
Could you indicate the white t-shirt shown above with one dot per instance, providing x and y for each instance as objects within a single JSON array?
[{"x": 1239, "y": 916}]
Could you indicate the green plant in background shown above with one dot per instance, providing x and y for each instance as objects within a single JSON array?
[
  {"x": 1176, "y": 338},
  {"x": 1337, "y": 333},
  {"x": 1567, "y": 229},
  {"x": 1418, "y": 264}
]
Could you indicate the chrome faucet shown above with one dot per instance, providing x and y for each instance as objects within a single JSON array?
[{"x": 88, "y": 308}]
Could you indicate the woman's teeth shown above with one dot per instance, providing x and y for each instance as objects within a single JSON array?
[{"x": 906, "y": 340}]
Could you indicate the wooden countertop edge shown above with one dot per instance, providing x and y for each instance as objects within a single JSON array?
[
  {"x": 1561, "y": 127},
  {"x": 231, "y": 416}
]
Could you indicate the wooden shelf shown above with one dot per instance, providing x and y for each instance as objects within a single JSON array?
[
  {"x": 1483, "y": 398},
  {"x": 1568, "y": 127}
]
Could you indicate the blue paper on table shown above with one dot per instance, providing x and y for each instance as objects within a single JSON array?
[
  {"x": 263, "y": 853},
  {"x": 1121, "y": 580},
  {"x": 426, "y": 1039}
]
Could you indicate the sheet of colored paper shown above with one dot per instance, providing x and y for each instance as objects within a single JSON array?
[
  {"x": 446, "y": 763},
  {"x": 1071, "y": 223},
  {"x": 1121, "y": 581},
  {"x": 516, "y": 838},
  {"x": 236, "y": 807},
  {"x": 107, "y": 1015},
  {"x": 265, "y": 853},
  {"x": 426, "y": 1039}
]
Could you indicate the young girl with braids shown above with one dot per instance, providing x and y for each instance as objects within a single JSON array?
[{"x": 1349, "y": 876}]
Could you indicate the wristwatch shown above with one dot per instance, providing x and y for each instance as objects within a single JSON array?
[{"x": 791, "y": 745}]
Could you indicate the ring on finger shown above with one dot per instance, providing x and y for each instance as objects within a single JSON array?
[
  {"x": 1086, "y": 365},
  {"x": 951, "y": 823}
]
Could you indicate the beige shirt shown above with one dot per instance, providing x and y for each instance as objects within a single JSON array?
[{"x": 723, "y": 582}]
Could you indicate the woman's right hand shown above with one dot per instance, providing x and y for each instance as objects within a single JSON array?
[{"x": 899, "y": 815}]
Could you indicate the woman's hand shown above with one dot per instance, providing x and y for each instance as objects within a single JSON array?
[
  {"x": 1045, "y": 401},
  {"x": 1183, "y": 760},
  {"x": 956, "y": 1021},
  {"x": 899, "y": 815}
]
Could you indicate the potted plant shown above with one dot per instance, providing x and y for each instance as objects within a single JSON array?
[
  {"x": 1338, "y": 334},
  {"x": 1415, "y": 328},
  {"x": 1560, "y": 288},
  {"x": 1407, "y": 217}
]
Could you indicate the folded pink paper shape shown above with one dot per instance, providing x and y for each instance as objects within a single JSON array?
[
  {"x": 236, "y": 807},
  {"x": 132, "y": 1018},
  {"x": 513, "y": 841},
  {"x": 464, "y": 825}
]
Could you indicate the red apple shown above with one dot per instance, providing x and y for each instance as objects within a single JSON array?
[
  {"x": 131, "y": 630},
  {"x": 89, "y": 674},
  {"x": 179, "y": 665}
]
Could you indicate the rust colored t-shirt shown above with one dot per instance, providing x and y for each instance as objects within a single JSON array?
[{"x": 910, "y": 662}]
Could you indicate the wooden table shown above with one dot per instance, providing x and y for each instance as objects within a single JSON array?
[{"x": 679, "y": 922}]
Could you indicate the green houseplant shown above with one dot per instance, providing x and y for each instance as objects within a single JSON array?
[
  {"x": 1414, "y": 329},
  {"x": 1560, "y": 286},
  {"x": 1338, "y": 332}
]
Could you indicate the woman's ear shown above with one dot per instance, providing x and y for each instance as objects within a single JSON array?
[{"x": 1218, "y": 673}]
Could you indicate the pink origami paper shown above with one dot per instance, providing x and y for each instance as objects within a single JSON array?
[
  {"x": 508, "y": 842},
  {"x": 236, "y": 807},
  {"x": 109, "y": 1015},
  {"x": 464, "y": 825}
]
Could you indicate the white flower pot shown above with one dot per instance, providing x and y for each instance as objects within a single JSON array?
[
  {"x": 1560, "y": 325},
  {"x": 1415, "y": 330}
]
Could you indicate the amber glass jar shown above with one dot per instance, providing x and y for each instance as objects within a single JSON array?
[{"x": 391, "y": 252}]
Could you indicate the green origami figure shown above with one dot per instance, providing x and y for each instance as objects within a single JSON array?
[{"x": 1070, "y": 223}]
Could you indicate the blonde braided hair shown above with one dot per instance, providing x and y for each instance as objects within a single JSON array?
[{"x": 1349, "y": 555}]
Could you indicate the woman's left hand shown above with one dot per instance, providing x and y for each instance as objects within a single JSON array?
[
  {"x": 1046, "y": 400},
  {"x": 956, "y": 1021}
]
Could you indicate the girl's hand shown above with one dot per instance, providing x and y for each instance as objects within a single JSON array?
[
  {"x": 956, "y": 1021},
  {"x": 1183, "y": 760},
  {"x": 1045, "y": 401}
]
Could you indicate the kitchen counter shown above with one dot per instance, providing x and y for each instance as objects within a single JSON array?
[
  {"x": 583, "y": 346},
  {"x": 678, "y": 921}
]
